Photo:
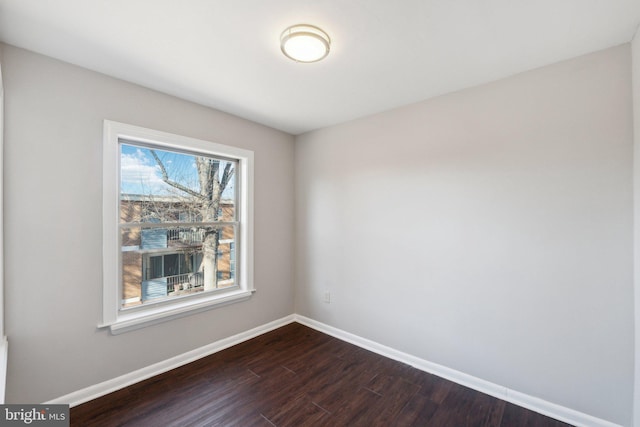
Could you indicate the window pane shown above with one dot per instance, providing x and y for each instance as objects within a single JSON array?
[
  {"x": 171, "y": 265},
  {"x": 165, "y": 262},
  {"x": 154, "y": 268},
  {"x": 169, "y": 186}
]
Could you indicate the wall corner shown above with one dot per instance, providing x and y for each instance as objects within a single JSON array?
[{"x": 635, "y": 73}]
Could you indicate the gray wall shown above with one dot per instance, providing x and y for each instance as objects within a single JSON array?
[
  {"x": 636, "y": 181},
  {"x": 53, "y": 220},
  {"x": 2, "y": 334},
  {"x": 489, "y": 231}
]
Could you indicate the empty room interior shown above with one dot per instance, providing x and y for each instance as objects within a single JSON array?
[{"x": 193, "y": 198}]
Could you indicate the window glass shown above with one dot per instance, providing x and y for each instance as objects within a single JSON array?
[{"x": 177, "y": 223}]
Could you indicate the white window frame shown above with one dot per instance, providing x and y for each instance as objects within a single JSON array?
[{"x": 114, "y": 316}]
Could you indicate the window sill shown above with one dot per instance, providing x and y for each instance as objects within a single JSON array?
[{"x": 131, "y": 321}]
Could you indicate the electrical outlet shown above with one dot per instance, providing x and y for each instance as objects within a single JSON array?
[{"x": 327, "y": 297}]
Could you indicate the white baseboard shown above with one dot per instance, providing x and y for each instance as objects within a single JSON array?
[
  {"x": 541, "y": 406},
  {"x": 92, "y": 392}
]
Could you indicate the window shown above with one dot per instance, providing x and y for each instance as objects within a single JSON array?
[{"x": 177, "y": 226}]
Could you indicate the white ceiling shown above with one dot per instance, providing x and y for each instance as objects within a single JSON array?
[{"x": 226, "y": 54}]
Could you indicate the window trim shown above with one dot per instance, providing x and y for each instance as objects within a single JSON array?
[{"x": 113, "y": 316}]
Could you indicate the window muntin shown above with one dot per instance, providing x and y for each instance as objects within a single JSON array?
[{"x": 174, "y": 226}]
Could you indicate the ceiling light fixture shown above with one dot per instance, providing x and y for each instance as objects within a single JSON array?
[{"x": 304, "y": 43}]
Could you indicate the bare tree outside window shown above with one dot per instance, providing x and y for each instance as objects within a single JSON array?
[{"x": 178, "y": 223}]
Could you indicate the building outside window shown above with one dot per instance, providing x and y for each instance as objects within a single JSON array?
[{"x": 165, "y": 260}]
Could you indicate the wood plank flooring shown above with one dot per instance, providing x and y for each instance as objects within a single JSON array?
[{"x": 296, "y": 376}]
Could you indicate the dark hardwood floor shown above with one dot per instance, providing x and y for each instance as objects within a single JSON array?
[{"x": 296, "y": 376}]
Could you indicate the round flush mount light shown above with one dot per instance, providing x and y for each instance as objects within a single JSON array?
[{"x": 304, "y": 43}]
